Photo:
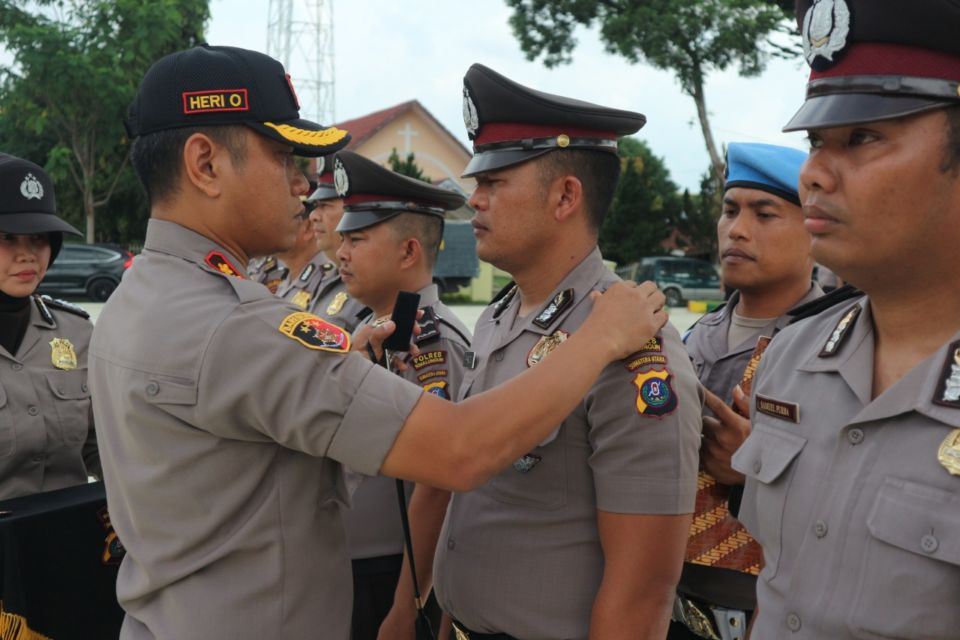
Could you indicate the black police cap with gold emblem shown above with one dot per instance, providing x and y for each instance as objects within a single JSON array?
[
  {"x": 209, "y": 85},
  {"x": 27, "y": 202},
  {"x": 510, "y": 123},
  {"x": 873, "y": 60},
  {"x": 372, "y": 194},
  {"x": 324, "y": 189}
]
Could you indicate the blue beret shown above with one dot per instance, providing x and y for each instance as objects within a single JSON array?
[{"x": 766, "y": 167}]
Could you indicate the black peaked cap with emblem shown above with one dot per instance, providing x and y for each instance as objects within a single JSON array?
[
  {"x": 28, "y": 203},
  {"x": 875, "y": 60},
  {"x": 510, "y": 123},
  {"x": 209, "y": 85},
  {"x": 372, "y": 194}
]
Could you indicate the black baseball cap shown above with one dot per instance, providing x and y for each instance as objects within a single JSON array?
[
  {"x": 209, "y": 85},
  {"x": 372, "y": 194},
  {"x": 874, "y": 60},
  {"x": 510, "y": 123}
]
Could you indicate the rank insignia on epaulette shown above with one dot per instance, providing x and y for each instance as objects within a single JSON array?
[
  {"x": 438, "y": 388},
  {"x": 560, "y": 302},
  {"x": 307, "y": 272},
  {"x": 948, "y": 391},
  {"x": 504, "y": 302},
  {"x": 337, "y": 303},
  {"x": 949, "y": 453},
  {"x": 655, "y": 396},
  {"x": 219, "y": 262},
  {"x": 62, "y": 354},
  {"x": 840, "y": 332},
  {"x": 527, "y": 462},
  {"x": 545, "y": 345},
  {"x": 269, "y": 263},
  {"x": 314, "y": 332},
  {"x": 301, "y": 298},
  {"x": 429, "y": 326}
]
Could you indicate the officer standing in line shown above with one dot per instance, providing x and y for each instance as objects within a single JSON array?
[
  {"x": 853, "y": 462},
  {"x": 392, "y": 229},
  {"x": 225, "y": 480},
  {"x": 329, "y": 297},
  {"x": 765, "y": 258},
  {"x": 584, "y": 534},
  {"x": 305, "y": 261},
  {"x": 268, "y": 271},
  {"x": 47, "y": 438}
]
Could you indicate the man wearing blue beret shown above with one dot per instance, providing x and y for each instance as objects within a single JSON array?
[{"x": 765, "y": 257}]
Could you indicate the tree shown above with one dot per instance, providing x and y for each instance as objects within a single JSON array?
[
  {"x": 691, "y": 38},
  {"x": 77, "y": 64},
  {"x": 408, "y": 167},
  {"x": 645, "y": 207},
  {"x": 697, "y": 223}
]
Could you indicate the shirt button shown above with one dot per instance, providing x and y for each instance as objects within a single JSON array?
[
  {"x": 499, "y": 356},
  {"x": 83, "y": 387},
  {"x": 855, "y": 436},
  {"x": 16, "y": 366},
  {"x": 929, "y": 543},
  {"x": 33, "y": 410},
  {"x": 451, "y": 544},
  {"x": 820, "y": 528},
  {"x": 153, "y": 388},
  {"x": 757, "y": 465},
  {"x": 793, "y": 622}
]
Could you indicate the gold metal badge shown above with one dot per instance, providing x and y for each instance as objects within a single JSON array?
[
  {"x": 949, "y": 453},
  {"x": 563, "y": 140},
  {"x": 545, "y": 345},
  {"x": 62, "y": 354},
  {"x": 337, "y": 303},
  {"x": 301, "y": 299}
]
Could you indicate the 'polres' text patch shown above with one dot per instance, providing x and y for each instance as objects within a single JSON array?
[{"x": 215, "y": 100}]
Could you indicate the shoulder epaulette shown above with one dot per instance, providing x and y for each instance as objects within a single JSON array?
[
  {"x": 63, "y": 305},
  {"x": 821, "y": 304}
]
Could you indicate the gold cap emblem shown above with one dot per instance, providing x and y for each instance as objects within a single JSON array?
[
  {"x": 62, "y": 354},
  {"x": 563, "y": 141}
]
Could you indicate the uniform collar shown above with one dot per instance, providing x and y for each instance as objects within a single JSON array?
[
  {"x": 176, "y": 240},
  {"x": 429, "y": 295}
]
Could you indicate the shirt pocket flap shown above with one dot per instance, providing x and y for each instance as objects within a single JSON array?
[
  {"x": 3, "y": 397},
  {"x": 167, "y": 391},
  {"x": 918, "y": 518},
  {"x": 68, "y": 385},
  {"x": 767, "y": 453}
]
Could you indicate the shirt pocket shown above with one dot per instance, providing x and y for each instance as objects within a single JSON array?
[
  {"x": 7, "y": 436},
  {"x": 909, "y": 583},
  {"x": 765, "y": 458},
  {"x": 72, "y": 401},
  {"x": 539, "y": 479}
]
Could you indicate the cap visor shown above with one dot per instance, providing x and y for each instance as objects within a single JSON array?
[
  {"x": 355, "y": 220},
  {"x": 492, "y": 160},
  {"x": 24, "y": 223},
  {"x": 842, "y": 109},
  {"x": 323, "y": 192},
  {"x": 307, "y": 138}
]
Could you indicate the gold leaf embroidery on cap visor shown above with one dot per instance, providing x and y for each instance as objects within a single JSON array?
[{"x": 321, "y": 138}]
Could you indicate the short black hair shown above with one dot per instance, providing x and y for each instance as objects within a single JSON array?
[
  {"x": 426, "y": 228},
  {"x": 951, "y": 151},
  {"x": 598, "y": 172},
  {"x": 156, "y": 157}
]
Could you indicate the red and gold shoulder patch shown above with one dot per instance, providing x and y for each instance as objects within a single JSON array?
[
  {"x": 219, "y": 262},
  {"x": 314, "y": 332},
  {"x": 655, "y": 395}
]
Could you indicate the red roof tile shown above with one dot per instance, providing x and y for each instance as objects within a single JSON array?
[{"x": 365, "y": 127}]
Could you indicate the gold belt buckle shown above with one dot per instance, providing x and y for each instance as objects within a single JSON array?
[{"x": 695, "y": 619}]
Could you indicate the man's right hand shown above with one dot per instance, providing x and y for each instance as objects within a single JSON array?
[
  {"x": 626, "y": 316},
  {"x": 723, "y": 435}
]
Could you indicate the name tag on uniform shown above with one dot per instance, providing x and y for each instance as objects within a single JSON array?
[{"x": 778, "y": 408}]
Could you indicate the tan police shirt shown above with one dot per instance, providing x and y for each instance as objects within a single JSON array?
[
  {"x": 224, "y": 415},
  {"x": 373, "y": 522},
  {"x": 856, "y": 501},
  {"x": 299, "y": 288},
  {"x": 330, "y": 300},
  {"x": 47, "y": 438},
  {"x": 268, "y": 271},
  {"x": 521, "y": 555}
]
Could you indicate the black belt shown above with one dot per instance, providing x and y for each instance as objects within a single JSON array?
[{"x": 460, "y": 632}]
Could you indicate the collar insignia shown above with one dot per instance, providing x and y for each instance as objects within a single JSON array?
[
  {"x": 44, "y": 311},
  {"x": 840, "y": 332},
  {"x": 219, "y": 262},
  {"x": 30, "y": 188},
  {"x": 340, "y": 180},
  {"x": 504, "y": 302},
  {"x": 429, "y": 326},
  {"x": 307, "y": 272},
  {"x": 62, "y": 354},
  {"x": 560, "y": 302},
  {"x": 948, "y": 391},
  {"x": 545, "y": 345},
  {"x": 825, "y": 30}
]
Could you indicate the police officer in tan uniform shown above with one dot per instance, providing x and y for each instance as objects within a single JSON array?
[
  {"x": 224, "y": 480},
  {"x": 329, "y": 297},
  {"x": 392, "y": 229},
  {"x": 853, "y": 463},
  {"x": 765, "y": 259},
  {"x": 305, "y": 261},
  {"x": 269, "y": 271},
  {"x": 47, "y": 438},
  {"x": 584, "y": 533}
]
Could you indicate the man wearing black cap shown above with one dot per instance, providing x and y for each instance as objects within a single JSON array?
[
  {"x": 47, "y": 438},
  {"x": 853, "y": 462},
  {"x": 224, "y": 479},
  {"x": 392, "y": 229},
  {"x": 584, "y": 534}
]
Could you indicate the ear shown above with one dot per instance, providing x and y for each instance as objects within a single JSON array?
[
  {"x": 567, "y": 192},
  {"x": 411, "y": 253},
  {"x": 202, "y": 164}
]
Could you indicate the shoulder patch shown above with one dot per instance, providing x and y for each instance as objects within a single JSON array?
[
  {"x": 220, "y": 262},
  {"x": 429, "y": 358},
  {"x": 655, "y": 395},
  {"x": 63, "y": 305},
  {"x": 314, "y": 332}
]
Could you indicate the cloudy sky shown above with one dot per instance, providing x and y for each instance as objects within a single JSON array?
[{"x": 387, "y": 52}]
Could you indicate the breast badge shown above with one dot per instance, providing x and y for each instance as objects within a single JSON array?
[
  {"x": 301, "y": 299},
  {"x": 552, "y": 311},
  {"x": 545, "y": 345},
  {"x": 62, "y": 354},
  {"x": 949, "y": 453},
  {"x": 655, "y": 396},
  {"x": 337, "y": 303},
  {"x": 314, "y": 332}
]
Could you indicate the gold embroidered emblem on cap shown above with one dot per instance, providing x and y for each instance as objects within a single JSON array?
[
  {"x": 337, "y": 303},
  {"x": 949, "y": 453},
  {"x": 62, "y": 354}
]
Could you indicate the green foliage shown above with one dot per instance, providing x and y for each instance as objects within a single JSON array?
[
  {"x": 407, "y": 167},
  {"x": 645, "y": 208},
  {"x": 77, "y": 64},
  {"x": 698, "y": 220}
]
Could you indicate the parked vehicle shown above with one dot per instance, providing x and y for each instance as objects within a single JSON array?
[
  {"x": 92, "y": 270},
  {"x": 680, "y": 279}
]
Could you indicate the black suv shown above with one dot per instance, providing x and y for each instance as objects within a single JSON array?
[{"x": 92, "y": 270}]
